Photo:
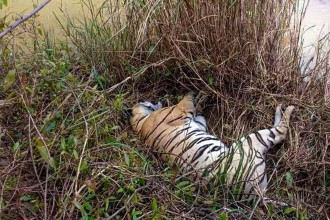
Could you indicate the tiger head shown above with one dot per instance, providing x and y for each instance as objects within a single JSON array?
[{"x": 140, "y": 111}]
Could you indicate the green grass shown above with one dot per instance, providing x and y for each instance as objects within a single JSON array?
[{"x": 67, "y": 151}]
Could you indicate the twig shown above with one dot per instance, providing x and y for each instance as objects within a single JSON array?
[
  {"x": 45, "y": 144},
  {"x": 84, "y": 145},
  {"x": 24, "y": 18},
  {"x": 115, "y": 86}
]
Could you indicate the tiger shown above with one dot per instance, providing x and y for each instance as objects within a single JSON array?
[{"x": 180, "y": 133}]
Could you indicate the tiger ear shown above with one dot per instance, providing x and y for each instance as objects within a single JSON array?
[
  {"x": 187, "y": 103},
  {"x": 190, "y": 95}
]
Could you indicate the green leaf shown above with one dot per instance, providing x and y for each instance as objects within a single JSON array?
[
  {"x": 79, "y": 206},
  {"x": 16, "y": 146},
  {"x": 75, "y": 154},
  {"x": 106, "y": 204},
  {"x": 135, "y": 214},
  {"x": 51, "y": 126},
  {"x": 223, "y": 216},
  {"x": 44, "y": 153},
  {"x": 151, "y": 49},
  {"x": 9, "y": 80},
  {"x": 88, "y": 206},
  {"x": 26, "y": 198},
  {"x": 210, "y": 80},
  {"x": 289, "y": 210},
  {"x": 63, "y": 145},
  {"x": 118, "y": 102},
  {"x": 154, "y": 204},
  {"x": 183, "y": 184},
  {"x": 84, "y": 166}
]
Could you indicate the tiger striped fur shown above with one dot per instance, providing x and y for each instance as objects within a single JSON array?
[{"x": 181, "y": 134}]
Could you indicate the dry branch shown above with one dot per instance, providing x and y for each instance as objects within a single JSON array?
[{"x": 24, "y": 18}]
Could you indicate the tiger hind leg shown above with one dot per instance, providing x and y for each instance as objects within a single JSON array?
[
  {"x": 258, "y": 143},
  {"x": 265, "y": 139},
  {"x": 281, "y": 124}
]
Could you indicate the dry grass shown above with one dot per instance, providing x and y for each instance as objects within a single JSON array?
[{"x": 67, "y": 151}]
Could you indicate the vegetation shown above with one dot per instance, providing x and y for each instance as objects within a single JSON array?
[{"x": 67, "y": 151}]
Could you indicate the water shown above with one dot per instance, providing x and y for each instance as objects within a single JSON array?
[
  {"x": 46, "y": 17},
  {"x": 315, "y": 29},
  {"x": 315, "y": 25}
]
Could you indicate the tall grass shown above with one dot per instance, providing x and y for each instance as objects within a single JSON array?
[{"x": 68, "y": 152}]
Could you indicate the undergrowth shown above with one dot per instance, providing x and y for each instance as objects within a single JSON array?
[{"x": 67, "y": 151}]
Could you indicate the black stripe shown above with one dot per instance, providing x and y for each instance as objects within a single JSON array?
[
  {"x": 197, "y": 130},
  {"x": 258, "y": 154},
  {"x": 175, "y": 136},
  {"x": 209, "y": 139},
  {"x": 272, "y": 135},
  {"x": 167, "y": 135},
  {"x": 155, "y": 128},
  {"x": 175, "y": 119},
  {"x": 200, "y": 123},
  {"x": 215, "y": 148},
  {"x": 191, "y": 144},
  {"x": 194, "y": 165},
  {"x": 180, "y": 142},
  {"x": 249, "y": 140},
  {"x": 260, "y": 139},
  {"x": 200, "y": 152},
  {"x": 163, "y": 109},
  {"x": 271, "y": 142},
  {"x": 254, "y": 169},
  {"x": 156, "y": 138},
  {"x": 263, "y": 177},
  {"x": 201, "y": 133},
  {"x": 278, "y": 130},
  {"x": 192, "y": 113},
  {"x": 137, "y": 123}
]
